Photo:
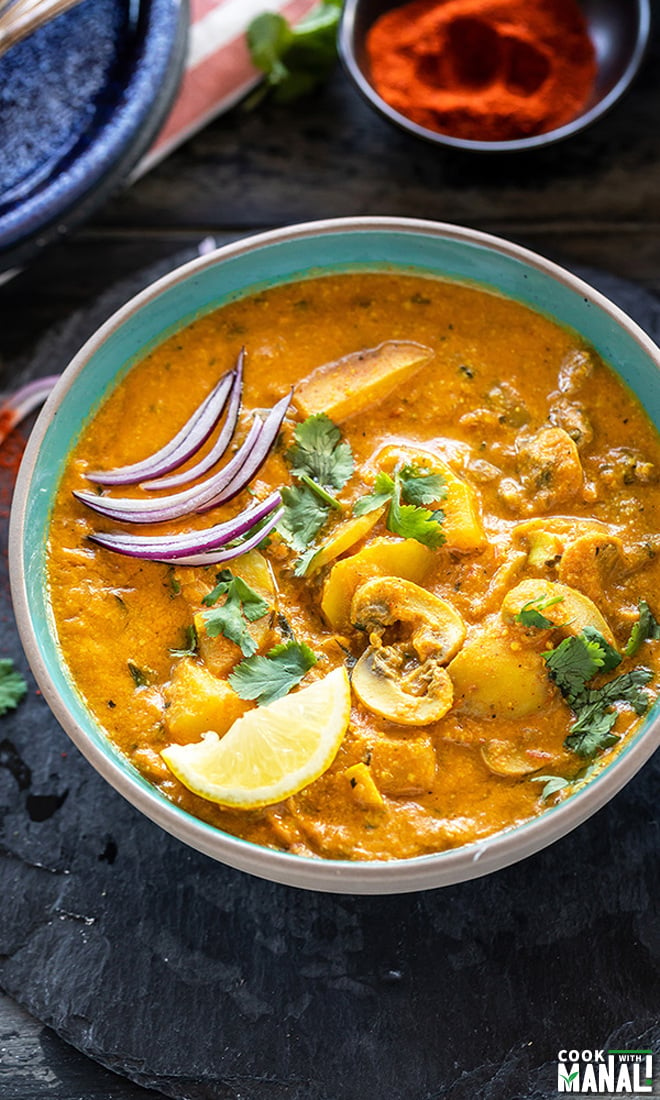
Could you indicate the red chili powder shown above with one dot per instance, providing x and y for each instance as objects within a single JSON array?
[
  {"x": 484, "y": 70},
  {"x": 11, "y": 453}
]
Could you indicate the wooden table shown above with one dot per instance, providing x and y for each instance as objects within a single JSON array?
[{"x": 594, "y": 201}]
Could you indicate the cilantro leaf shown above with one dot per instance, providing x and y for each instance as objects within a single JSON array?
[
  {"x": 12, "y": 686},
  {"x": 294, "y": 59},
  {"x": 412, "y": 522},
  {"x": 382, "y": 494},
  {"x": 412, "y": 486},
  {"x": 319, "y": 452},
  {"x": 571, "y": 665},
  {"x": 268, "y": 678},
  {"x": 577, "y": 659},
  {"x": 419, "y": 486},
  {"x": 647, "y": 628},
  {"x": 530, "y": 612},
  {"x": 242, "y": 606},
  {"x": 553, "y": 783},
  {"x": 303, "y": 517}
]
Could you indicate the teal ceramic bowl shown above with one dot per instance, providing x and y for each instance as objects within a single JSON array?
[{"x": 281, "y": 256}]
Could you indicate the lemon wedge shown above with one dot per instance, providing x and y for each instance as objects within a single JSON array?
[{"x": 270, "y": 752}]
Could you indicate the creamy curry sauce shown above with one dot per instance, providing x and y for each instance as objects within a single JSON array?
[{"x": 561, "y": 464}]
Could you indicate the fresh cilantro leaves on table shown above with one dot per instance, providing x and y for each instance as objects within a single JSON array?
[
  {"x": 647, "y": 628},
  {"x": 572, "y": 664},
  {"x": 294, "y": 59},
  {"x": 265, "y": 679},
  {"x": 242, "y": 606},
  {"x": 322, "y": 461},
  {"x": 530, "y": 613},
  {"x": 406, "y": 492},
  {"x": 12, "y": 686}
]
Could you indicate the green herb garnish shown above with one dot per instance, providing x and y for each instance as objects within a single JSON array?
[
  {"x": 12, "y": 686},
  {"x": 294, "y": 59},
  {"x": 647, "y": 628},
  {"x": 530, "y": 612},
  {"x": 268, "y": 678},
  {"x": 553, "y": 784},
  {"x": 406, "y": 492},
  {"x": 242, "y": 606},
  {"x": 190, "y": 643},
  {"x": 573, "y": 663},
  {"x": 322, "y": 461},
  {"x": 140, "y": 675}
]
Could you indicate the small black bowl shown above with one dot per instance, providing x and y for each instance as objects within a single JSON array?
[{"x": 619, "y": 30}]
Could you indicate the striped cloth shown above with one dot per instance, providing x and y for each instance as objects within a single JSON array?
[{"x": 218, "y": 68}]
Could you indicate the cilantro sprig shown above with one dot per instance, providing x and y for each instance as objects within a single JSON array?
[
  {"x": 322, "y": 462},
  {"x": 647, "y": 628},
  {"x": 530, "y": 613},
  {"x": 407, "y": 491},
  {"x": 242, "y": 606},
  {"x": 267, "y": 678},
  {"x": 294, "y": 59},
  {"x": 572, "y": 664},
  {"x": 12, "y": 686}
]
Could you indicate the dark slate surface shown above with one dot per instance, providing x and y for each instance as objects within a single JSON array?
[{"x": 208, "y": 984}]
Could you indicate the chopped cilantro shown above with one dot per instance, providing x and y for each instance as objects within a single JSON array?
[
  {"x": 530, "y": 612},
  {"x": 414, "y": 487},
  {"x": 294, "y": 59},
  {"x": 574, "y": 662},
  {"x": 322, "y": 461},
  {"x": 647, "y": 628},
  {"x": 242, "y": 606},
  {"x": 268, "y": 678},
  {"x": 12, "y": 686},
  {"x": 140, "y": 675},
  {"x": 190, "y": 643}
]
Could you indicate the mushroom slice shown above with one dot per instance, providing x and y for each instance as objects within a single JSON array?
[
  {"x": 570, "y": 614},
  {"x": 593, "y": 564},
  {"x": 414, "y": 696},
  {"x": 506, "y": 758},
  {"x": 436, "y": 628},
  {"x": 549, "y": 469},
  {"x": 405, "y": 681}
]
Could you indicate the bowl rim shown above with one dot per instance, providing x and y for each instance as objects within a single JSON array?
[
  {"x": 345, "y": 44},
  {"x": 344, "y": 876}
]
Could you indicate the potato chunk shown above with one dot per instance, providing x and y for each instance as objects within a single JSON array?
[
  {"x": 403, "y": 767},
  {"x": 198, "y": 702},
  {"x": 350, "y": 385},
  {"x": 495, "y": 678}
]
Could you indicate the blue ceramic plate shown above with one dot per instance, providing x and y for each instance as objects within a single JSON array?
[
  {"x": 80, "y": 101},
  {"x": 280, "y": 256}
]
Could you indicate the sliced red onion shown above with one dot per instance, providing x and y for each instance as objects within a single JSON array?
[
  {"x": 185, "y": 443},
  {"x": 217, "y": 557},
  {"x": 25, "y": 400},
  {"x": 220, "y": 445},
  {"x": 159, "y": 509},
  {"x": 210, "y": 541},
  {"x": 217, "y": 489},
  {"x": 253, "y": 461}
]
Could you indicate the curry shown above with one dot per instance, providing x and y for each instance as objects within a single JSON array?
[{"x": 468, "y": 517}]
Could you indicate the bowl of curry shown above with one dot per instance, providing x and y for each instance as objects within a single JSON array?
[{"x": 348, "y": 574}]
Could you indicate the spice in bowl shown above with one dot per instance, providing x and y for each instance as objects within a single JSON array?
[{"x": 484, "y": 70}]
